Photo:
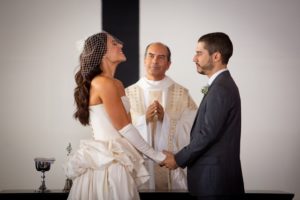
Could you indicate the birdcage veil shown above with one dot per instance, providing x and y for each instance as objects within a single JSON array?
[{"x": 94, "y": 49}]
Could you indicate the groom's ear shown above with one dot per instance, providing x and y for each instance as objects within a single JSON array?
[{"x": 217, "y": 57}]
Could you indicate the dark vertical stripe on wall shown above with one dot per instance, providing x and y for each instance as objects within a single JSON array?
[{"x": 121, "y": 19}]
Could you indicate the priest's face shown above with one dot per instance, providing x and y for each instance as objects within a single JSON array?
[{"x": 156, "y": 61}]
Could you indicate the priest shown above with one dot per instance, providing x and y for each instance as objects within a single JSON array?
[{"x": 163, "y": 111}]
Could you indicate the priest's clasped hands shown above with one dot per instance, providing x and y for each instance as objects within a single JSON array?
[
  {"x": 155, "y": 112},
  {"x": 169, "y": 162}
]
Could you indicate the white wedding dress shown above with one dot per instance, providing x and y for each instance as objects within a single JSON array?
[{"x": 107, "y": 167}]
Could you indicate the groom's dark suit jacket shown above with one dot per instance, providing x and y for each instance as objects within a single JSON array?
[{"x": 213, "y": 156}]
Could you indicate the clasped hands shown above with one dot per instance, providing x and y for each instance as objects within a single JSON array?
[
  {"x": 155, "y": 112},
  {"x": 169, "y": 162}
]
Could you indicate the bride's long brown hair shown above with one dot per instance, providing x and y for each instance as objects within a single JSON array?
[{"x": 94, "y": 48}]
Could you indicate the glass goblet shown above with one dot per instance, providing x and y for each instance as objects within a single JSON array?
[{"x": 43, "y": 165}]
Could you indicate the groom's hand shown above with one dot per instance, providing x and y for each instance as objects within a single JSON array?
[{"x": 169, "y": 162}]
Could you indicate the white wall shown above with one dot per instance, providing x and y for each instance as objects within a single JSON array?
[
  {"x": 265, "y": 65},
  {"x": 38, "y": 59},
  {"x": 37, "y": 64}
]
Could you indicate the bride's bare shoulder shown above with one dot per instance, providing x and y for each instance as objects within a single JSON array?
[{"x": 101, "y": 83}]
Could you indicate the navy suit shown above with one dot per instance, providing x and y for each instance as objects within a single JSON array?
[{"x": 213, "y": 156}]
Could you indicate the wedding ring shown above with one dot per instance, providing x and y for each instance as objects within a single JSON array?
[{"x": 155, "y": 111}]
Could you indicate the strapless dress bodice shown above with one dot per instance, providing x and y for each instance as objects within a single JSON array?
[
  {"x": 101, "y": 123},
  {"x": 108, "y": 166}
]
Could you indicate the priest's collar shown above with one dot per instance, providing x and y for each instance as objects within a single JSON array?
[{"x": 151, "y": 84}]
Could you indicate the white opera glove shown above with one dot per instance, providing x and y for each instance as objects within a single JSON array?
[{"x": 134, "y": 137}]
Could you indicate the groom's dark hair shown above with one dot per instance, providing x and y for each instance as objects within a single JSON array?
[{"x": 218, "y": 42}]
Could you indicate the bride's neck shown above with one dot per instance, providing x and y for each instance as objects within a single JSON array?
[{"x": 109, "y": 70}]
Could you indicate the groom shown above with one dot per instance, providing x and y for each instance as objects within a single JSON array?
[{"x": 212, "y": 157}]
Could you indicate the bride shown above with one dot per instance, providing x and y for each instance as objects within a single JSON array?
[{"x": 107, "y": 166}]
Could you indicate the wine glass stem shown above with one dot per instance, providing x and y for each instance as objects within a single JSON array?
[{"x": 43, "y": 186}]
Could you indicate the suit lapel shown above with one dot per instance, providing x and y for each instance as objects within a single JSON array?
[{"x": 203, "y": 101}]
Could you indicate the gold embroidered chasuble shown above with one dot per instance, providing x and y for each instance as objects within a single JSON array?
[{"x": 177, "y": 105}]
